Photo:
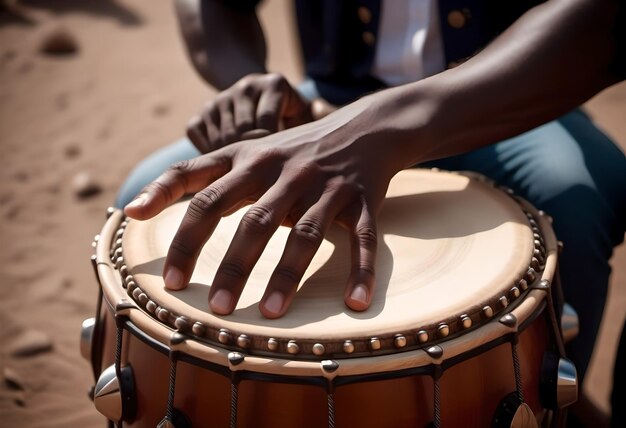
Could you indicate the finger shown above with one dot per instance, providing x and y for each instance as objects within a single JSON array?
[
  {"x": 255, "y": 230},
  {"x": 227, "y": 129},
  {"x": 363, "y": 243},
  {"x": 203, "y": 214},
  {"x": 255, "y": 133},
  {"x": 268, "y": 109},
  {"x": 197, "y": 134},
  {"x": 244, "y": 115},
  {"x": 211, "y": 118},
  {"x": 179, "y": 179},
  {"x": 303, "y": 242}
]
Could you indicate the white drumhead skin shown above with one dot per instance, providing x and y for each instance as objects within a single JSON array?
[{"x": 447, "y": 245}]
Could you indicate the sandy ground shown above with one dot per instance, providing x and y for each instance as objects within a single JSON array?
[{"x": 128, "y": 91}]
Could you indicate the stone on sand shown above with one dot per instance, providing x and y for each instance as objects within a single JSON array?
[
  {"x": 59, "y": 41},
  {"x": 85, "y": 186},
  {"x": 30, "y": 342}
]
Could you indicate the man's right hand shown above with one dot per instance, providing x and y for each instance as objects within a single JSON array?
[{"x": 255, "y": 106}]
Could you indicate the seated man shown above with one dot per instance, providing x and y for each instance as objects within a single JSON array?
[{"x": 493, "y": 89}]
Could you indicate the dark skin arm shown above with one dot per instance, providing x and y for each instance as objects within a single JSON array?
[
  {"x": 224, "y": 45},
  {"x": 337, "y": 169}
]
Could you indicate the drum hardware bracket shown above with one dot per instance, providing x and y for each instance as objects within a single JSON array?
[
  {"x": 559, "y": 382},
  {"x": 512, "y": 413},
  {"x": 114, "y": 394},
  {"x": 435, "y": 352}
]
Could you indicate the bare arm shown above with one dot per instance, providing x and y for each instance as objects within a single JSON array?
[
  {"x": 337, "y": 169},
  {"x": 551, "y": 60},
  {"x": 223, "y": 44}
]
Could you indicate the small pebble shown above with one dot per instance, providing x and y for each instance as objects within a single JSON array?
[
  {"x": 160, "y": 109},
  {"x": 59, "y": 42},
  {"x": 72, "y": 151},
  {"x": 85, "y": 186},
  {"x": 12, "y": 379},
  {"x": 20, "y": 399},
  {"x": 29, "y": 343}
]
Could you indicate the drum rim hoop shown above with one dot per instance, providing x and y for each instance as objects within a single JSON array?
[{"x": 315, "y": 350}]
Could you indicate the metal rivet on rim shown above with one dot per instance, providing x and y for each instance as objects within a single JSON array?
[
  {"x": 143, "y": 298},
  {"x": 443, "y": 330},
  {"x": 534, "y": 263},
  {"x": 374, "y": 344},
  {"x": 136, "y": 292},
  {"x": 198, "y": 328},
  {"x": 292, "y": 347},
  {"x": 487, "y": 311},
  {"x": 223, "y": 336},
  {"x": 504, "y": 302},
  {"x": 181, "y": 323},
  {"x": 131, "y": 286},
  {"x": 422, "y": 336},
  {"x": 272, "y": 344},
  {"x": 523, "y": 284},
  {"x": 243, "y": 341},
  {"x": 151, "y": 306},
  {"x": 319, "y": 349},
  {"x": 399, "y": 341},
  {"x": 515, "y": 292},
  {"x": 348, "y": 347},
  {"x": 466, "y": 321},
  {"x": 163, "y": 314},
  {"x": 531, "y": 275}
]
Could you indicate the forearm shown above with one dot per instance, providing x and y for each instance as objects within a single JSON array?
[
  {"x": 223, "y": 44},
  {"x": 551, "y": 60}
]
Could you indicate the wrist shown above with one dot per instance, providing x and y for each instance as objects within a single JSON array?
[{"x": 406, "y": 119}]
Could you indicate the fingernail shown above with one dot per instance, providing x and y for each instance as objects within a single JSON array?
[
  {"x": 274, "y": 303},
  {"x": 173, "y": 279},
  {"x": 139, "y": 201},
  {"x": 359, "y": 294},
  {"x": 221, "y": 300}
]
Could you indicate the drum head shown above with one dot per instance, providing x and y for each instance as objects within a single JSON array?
[{"x": 449, "y": 245}]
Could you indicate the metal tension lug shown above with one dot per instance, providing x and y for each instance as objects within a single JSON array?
[
  {"x": 566, "y": 384},
  {"x": 86, "y": 337},
  {"x": 569, "y": 323},
  {"x": 115, "y": 397},
  {"x": 559, "y": 382}
]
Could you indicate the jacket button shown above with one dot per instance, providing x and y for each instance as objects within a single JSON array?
[
  {"x": 364, "y": 14},
  {"x": 457, "y": 18},
  {"x": 368, "y": 38}
]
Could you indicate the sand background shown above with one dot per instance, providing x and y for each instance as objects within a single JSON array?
[{"x": 128, "y": 91}]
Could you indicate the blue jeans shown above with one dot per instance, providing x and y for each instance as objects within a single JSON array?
[{"x": 567, "y": 168}]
